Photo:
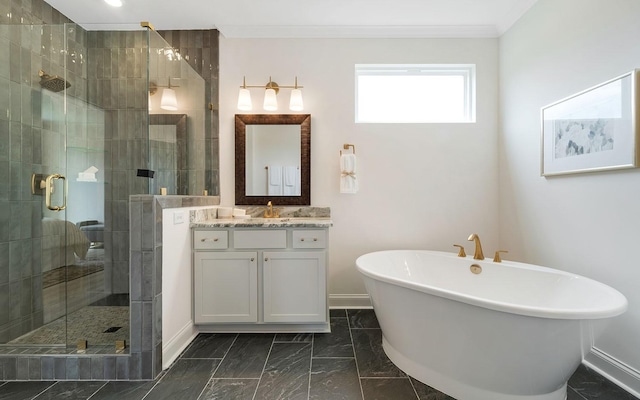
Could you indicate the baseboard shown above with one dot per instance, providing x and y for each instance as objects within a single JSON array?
[
  {"x": 349, "y": 301},
  {"x": 616, "y": 371},
  {"x": 173, "y": 347}
]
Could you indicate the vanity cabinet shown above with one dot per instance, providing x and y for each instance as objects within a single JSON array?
[
  {"x": 225, "y": 286},
  {"x": 248, "y": 279}
]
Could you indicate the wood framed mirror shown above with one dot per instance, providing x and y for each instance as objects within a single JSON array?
[{"x": 273, "y": 159}]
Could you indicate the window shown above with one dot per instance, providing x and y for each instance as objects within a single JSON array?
[{"x": 415, "y": 93}]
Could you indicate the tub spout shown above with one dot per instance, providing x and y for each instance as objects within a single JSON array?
[{"x": 477, "y": 255}]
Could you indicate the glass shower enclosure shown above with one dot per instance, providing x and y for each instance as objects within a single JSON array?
[{"x": 85, "y": 122}]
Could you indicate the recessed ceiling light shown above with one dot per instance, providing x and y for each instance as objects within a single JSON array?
[{"x": 114, "y": 3}]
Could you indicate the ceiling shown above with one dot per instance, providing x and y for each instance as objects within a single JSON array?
[{"x": 307, "y": 18}]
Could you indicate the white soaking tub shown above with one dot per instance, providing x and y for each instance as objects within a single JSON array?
[{"x": 513, "y": 331}]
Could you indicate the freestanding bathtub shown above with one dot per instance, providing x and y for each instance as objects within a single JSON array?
[{"x": 513, "y": 331}]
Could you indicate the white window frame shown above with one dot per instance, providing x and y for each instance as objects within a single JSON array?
[{"x": 466, "y": 71}]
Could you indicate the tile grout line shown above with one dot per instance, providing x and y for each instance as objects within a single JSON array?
[
  {"x": 99, "y": 389},
  {"x": 313, "y": 338},
  {"x": 353, "y": 349},
  {"x": 264, "y": 367},
  {"x": 47, "y": 388},
  {"x": 211, "y": 378}
]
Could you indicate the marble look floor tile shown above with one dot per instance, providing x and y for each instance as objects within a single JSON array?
[
  {"x": 293, "y": 337},
  {"x": 573, "y": 395},
  {"x": 226, "y": 389},
  {"x": 591, "y": 385},
  {"x": 286, "y": 374},
  {"x": 70, "y": 390},
  {"x": 185, "y": 380},
  {"x": 426, "y": 392},
  {"x": 335, "y": 379},
  {"x": 22, "y": 390},
  {"x": 363, "y": 319},
  {"x": 247, "y": 356},
  {"x": 210, "y": 345},
  {"x": 120, "y": 390},
  {"x": 387, "y": 389},
  {"x": 371, "y": 359},
  {"x": 338, "y": 313},
  {"x": 334, "y": 344}
]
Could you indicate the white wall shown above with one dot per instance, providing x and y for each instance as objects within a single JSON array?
[
  {"x": 586, "y": 223},
  {"x": 421, "y": 185},
  {"x": 178, "y": 329}
]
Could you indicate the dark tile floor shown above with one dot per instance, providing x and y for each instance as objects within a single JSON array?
[{"x": 348, "y": 363}]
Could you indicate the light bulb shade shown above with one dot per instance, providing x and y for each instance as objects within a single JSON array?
[
  {"x": 244, "y": 100},
  {"x": 270, "y": 101},
  {"x": 169, "y": 101},
  {"x": 114, "y": 3},
  {"x": 295, "y": 103}
]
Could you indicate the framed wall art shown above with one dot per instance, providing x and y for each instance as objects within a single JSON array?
[{"x": 594, "y": 130}]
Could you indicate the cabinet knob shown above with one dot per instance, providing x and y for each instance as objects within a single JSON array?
[
  {"x": 315, "y": 239},
  {"x": 252, "y": 258},
  {"x": 302, "y": 239},
  {"x": 266, "y": 259},
  {"x": 205, "y": 239}
]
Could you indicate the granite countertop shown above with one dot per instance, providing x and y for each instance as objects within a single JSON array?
[
  {"x": 290, "y": 217},
  {"x": 265, "y": 223}
]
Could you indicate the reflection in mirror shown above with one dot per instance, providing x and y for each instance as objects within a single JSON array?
[
  {"x": 168, "y": 153},
  {"x": 273, "y": 159}
]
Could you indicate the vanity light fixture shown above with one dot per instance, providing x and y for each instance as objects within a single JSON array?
[
  {"x": 270, "y": 100},
  {"x": 168, "y": 101}
]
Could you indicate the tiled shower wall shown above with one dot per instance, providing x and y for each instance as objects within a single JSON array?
[{"x": 117, "y": 70}]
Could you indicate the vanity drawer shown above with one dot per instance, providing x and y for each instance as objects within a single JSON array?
[
  {"x": 309, "y": 239},
  {"x": 260, "y": 239},
  {"x": 210, "y": 239}
]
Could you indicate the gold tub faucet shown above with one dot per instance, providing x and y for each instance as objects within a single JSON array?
[{"x": 477, "y": 255}]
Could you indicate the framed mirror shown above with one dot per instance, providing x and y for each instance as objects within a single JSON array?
[{"x": 273, "y": 159}]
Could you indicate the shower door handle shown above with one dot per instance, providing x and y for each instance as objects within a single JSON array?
[{"x": 49, "y": 190}]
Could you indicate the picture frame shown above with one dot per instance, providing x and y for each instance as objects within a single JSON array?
[{"x": 594, "y": 130}]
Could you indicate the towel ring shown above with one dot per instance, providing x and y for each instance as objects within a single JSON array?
[{"x": 346, "y": 146}]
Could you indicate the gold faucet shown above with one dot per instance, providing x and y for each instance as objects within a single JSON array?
[
  {"x": 269, "y": 213},
  {"x": 477, "y": 255}
]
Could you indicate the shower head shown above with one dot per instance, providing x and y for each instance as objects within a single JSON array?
[{"x": 53, "y": 83}]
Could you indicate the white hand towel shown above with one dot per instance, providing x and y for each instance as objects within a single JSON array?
[
  {"x": 348, "y": 178},
  {"x": 275, "y": 180},
  {"x": 291, "y": 181}
]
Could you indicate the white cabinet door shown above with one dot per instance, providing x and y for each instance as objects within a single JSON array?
[
  {"x": 295, "y": 286},
  {"x": 225, "y": 286}
]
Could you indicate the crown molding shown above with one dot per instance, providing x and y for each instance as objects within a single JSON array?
[{"x": 358, "y": 31}]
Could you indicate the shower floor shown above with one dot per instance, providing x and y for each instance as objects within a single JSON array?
[{"x": 95, "y": 324}]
